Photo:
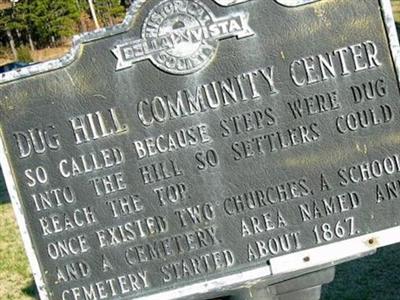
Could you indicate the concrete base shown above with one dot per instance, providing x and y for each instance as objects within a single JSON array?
[{"x": 306, "y": 287}]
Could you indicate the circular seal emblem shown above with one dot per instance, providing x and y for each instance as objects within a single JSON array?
[{"x": 175, "y": 32}]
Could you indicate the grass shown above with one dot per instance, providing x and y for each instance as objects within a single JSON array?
[
  {"x": 396, "y": 9},
  {"x": 376, "y": 277},
  {"x": 15, "y": 276},
  {"x": 39, "y": 55}
]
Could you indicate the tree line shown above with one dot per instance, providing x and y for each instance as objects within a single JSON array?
[{"x": 34, "y": 24}]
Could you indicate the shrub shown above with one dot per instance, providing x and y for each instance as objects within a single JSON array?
[
  {"x": 24, "y": 54},
  {"x": 3, "y": 52}
]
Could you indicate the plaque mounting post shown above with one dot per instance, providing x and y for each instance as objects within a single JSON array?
[{"x": 305, "y": 287}]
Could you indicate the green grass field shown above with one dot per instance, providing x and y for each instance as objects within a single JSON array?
[
  {"x": 376, "y": 277},
  {"x": 396, "y": 9},
  {"x": 16, "y": 281}
]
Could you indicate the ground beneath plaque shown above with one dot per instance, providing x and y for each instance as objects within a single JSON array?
[{"x": 16, "y": 281}]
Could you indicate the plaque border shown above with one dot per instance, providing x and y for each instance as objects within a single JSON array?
[{"x": 333, "y": 253}]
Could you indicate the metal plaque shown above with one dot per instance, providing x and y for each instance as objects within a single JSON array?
[{"x": 204, "y": 145}]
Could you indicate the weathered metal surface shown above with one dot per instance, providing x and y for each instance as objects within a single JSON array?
[{"x": 206, "y": 145}]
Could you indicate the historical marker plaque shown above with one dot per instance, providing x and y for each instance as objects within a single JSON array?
[{"x": 202, "y": 140}]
